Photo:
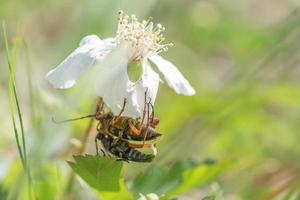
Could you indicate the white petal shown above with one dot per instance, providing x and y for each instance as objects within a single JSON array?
[
  {"x": 112, "y": 82},
  {"x": 173, "y": 76},
  {"x": 66, "y": 73},
  {"x": 91, "y": 40},
  {"x": 150, "y": 82},
  {"x": 110, "y": 43},
  {"x": 113, "y": 85}
]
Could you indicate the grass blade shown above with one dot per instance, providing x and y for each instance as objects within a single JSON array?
[
  {"x": 13, "y": 96},
  {"x": 11, "y": 93}
]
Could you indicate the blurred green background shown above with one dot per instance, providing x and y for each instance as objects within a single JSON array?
[{"x": 242, "y": 57}]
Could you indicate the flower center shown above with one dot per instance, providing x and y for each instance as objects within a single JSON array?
[{"x": 143, "y": 36}]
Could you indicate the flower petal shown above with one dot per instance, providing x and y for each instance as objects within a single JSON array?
[
  {"x": 90, "y": 40},
  {"x": 173, "y": 76},
  {"x": 112, "y": 82},
  {"x": 113, "y": 85},
  {"x": 66, "y": 73},
  {"x": 150, "y": 82}
]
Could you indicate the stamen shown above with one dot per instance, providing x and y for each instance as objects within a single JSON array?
[{"x": 143, "y": 36}]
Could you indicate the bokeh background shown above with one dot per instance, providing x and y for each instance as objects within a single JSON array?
[{"x": 242, "y": 57}]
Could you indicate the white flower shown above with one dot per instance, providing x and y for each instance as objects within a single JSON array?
[{"x": 134, "y": 45}]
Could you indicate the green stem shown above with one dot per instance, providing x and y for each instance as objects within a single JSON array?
[
  {"x": 14, "y": 96},
  {"x": 21, "y": 123},
  {"x": 11, "y": 94},
  {"x": 14, "y": 122}
]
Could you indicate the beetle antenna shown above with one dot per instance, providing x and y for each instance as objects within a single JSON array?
[
  {"x": 69, "y": 120},
  {"x": 152, "y": 111}
]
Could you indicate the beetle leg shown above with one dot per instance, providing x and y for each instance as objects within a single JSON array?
[
  {"x": 144, "y": 111},
  {"x": 140, "y": 145},
  {"x": 123, "y": 107},
  {"x": 148, "y": 122},
  {"x": 96, "y": 142},
  {"x": 153, "y": 120},
  {"x": 133, "y": 128},
  {"x": 152, "y": 113},
  {"x": 122, "y": 160},
  {"x": 104, "y": 154},
  {"x": 120, "y": 135},
  {"x": 115, "y": 119}
]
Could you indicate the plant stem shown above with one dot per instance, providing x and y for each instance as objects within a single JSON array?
[
  {"x": 10, "y": 85},
  {"x": 13, "y": 96},
  {"x": 21, "y": 124}
]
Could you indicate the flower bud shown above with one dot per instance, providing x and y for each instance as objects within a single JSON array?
[{"x": 135, "y": 70}]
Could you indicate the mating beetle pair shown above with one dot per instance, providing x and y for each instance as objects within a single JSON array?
[{"x": 120, "y": 134}]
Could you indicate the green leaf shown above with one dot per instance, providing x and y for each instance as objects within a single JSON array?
[
  {"x": 99, "y": 172},
  {"x": 197, "y": 176},
  {"x": 159, "y": 180},
  {"x": 179, "y": 178},
  {"x": 103, "y": 175},
  {"x": 123, "y": 194},
  {"x": 211, "y": 197}
]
